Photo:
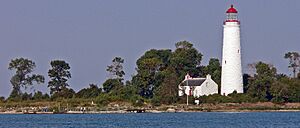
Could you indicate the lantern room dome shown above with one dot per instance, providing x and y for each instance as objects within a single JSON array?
[{"x": 231, "y": 10}]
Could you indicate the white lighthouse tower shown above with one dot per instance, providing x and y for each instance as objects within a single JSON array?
[{"x": 232, "y": 79}]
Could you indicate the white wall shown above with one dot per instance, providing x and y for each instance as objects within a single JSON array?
[
  {"x": 208, "y": 87},
  {"x": 232, "y": 78}
]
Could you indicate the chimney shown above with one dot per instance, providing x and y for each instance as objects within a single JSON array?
[{"x": 208, "y": 76}]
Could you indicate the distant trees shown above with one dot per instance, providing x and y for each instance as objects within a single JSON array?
[
  {"x": 267, "y": 85},
  {"x": 116, "y": 68},
  {"x": 59, "y": 75},
  {"x": 160, "y": 71},
  {"x": 114, "y": 89},
  {"x": 186, "y": 59},
  {"x": 260, "y": 86},
  {"x": 149, "y": 71},
  {"x": 91, "y": 92},
  {"x": 40, "y": 96},
  {"x": 117, "y": 73},
  {"x": 23, "y": 76},
  {"x": 294, "y": 61},
  {"x": 111, "y": 84},
  {"x": 167, "y": 92},
  {"x": 280, "y": 90},
  {"x": 2, "y": 99}
]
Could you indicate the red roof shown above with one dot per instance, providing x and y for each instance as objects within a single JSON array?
[{"x": 231, "y": 10}]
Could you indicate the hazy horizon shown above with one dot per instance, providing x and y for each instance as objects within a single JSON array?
[{"x": 89, "y": 34}]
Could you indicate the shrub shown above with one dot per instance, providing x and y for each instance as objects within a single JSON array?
[{"x": 103, "y": 99}]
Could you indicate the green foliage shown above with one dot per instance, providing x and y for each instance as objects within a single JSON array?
[
  {"x": 294, "y": 61},
  {"x": 63, "y": 93},
  {"x": 185, "y": 59},
  {"x": 294, "y": 91},
  {"x": 138, "y": 101},
  {"x": 215, "y": 98},
  {"x": 111, "y": 84},
  {"x": 116, "y": 69},
  {"x": 128, "y": 93},
  {"x": 267, "y": 85},
  {"x": 259, "y": 86},
  {"x": 280, "y": 90},
  {"x": 37, "y": 96},
  {"x": 158, "y": 74},
  {"x": 288, "y": 90},
  {"x": 231, "y": 98},
  {"x": 214, "y": 69},
  {"x": 149, "y": 68},
  {"x": 2, "y": 99},
  {"x": 91, "y": 92},
  {"x": 152, "y": 66},
  {"x": 59, "y": 75},
  {"x": 26, "y": 96},
  {"x": 40, "y": 96},
  {"x": 241, "y": 98},
  {"x": 154, "y": 78},
  {"x": 103, "y": 99},
  {"x": 167, "y": 92},
  {"x": 23, "y": 77},
  {"x": 246, "y": 78},
  {"x": 15, "y": 94}
]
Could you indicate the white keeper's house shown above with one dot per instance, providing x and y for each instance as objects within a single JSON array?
[{"x": 197, "y": 86}]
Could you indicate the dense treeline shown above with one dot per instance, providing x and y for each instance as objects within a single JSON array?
[{"x": 158, "y": 73}]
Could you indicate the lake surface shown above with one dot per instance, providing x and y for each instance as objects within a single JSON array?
[{"x": 154, "y": 120}]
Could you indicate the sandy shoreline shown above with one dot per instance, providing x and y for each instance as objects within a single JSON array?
[
  {"x": 176, "y": 108},
  {"x": 147, "y": 111}
]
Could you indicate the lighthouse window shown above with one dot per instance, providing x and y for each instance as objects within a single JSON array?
[
  {"x": 225, "y": 61},
  {"x": 238, "y": 51},
  {"x": 231, "y": 16}
]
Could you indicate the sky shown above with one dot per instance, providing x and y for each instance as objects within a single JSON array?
[{"x": 88, "y": 34}]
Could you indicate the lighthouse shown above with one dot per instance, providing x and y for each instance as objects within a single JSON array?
[{"x": 231, "y": 78}]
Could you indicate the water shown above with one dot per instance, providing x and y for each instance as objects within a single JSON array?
[{"x": 157, "y": 120}]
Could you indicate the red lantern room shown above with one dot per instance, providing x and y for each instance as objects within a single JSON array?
[{"x": 231, "y": 14}]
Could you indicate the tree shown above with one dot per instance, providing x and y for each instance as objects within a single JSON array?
[
  {"x": 214, "y": 69},
  {"x": 280, "y": 91},
  {"x": 64, "y": 93},
  {"x": 185, "y": 59},
  {"x": 259, "y": 87},
  {"x": 59, "y": 75},
  {"x": 26, "y": 96},
  {"x": 2, "y": 99},
  {"x": 294, "y": 61},
  {"x": 294, "y": 90},
  {"x": 116, "y": 69},
  {"x": 149, "y": 68},
  {"x": 117, "y": 73},
  {"x": 246, "y": 78},
  {"x": 23, "y": 76},
  {"x": 167, "y": 93},
  {"x": 91, "y": 92},
  {"x": 111, "y": 84},
  {"x": 40, "y": 96},
  {"x": 285, "y": 89}
]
